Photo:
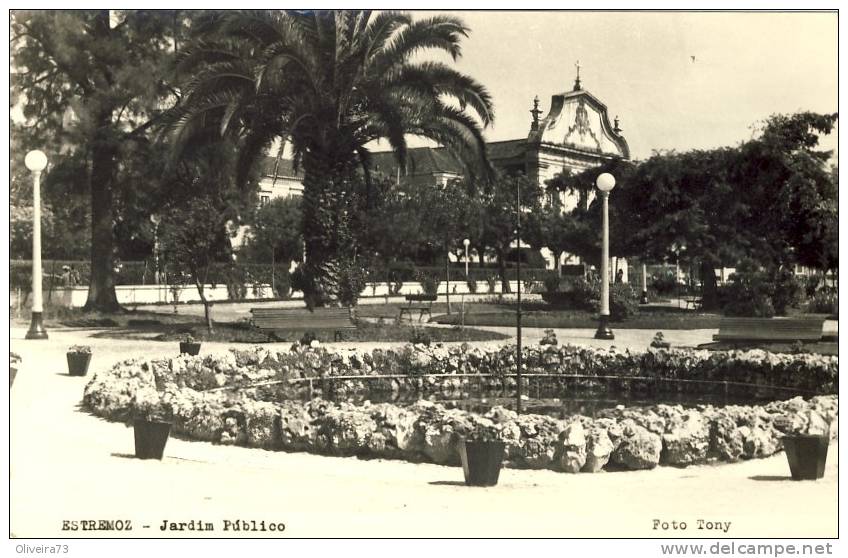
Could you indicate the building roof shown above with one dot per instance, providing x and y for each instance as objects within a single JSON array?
[
  {"x": 508, "y": 149},
  {"x": 419, "y": 160},
  {"x": 284, "y": 168}
]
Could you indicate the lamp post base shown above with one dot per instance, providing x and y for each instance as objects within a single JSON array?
[
  {"x": 644, "y": 299},
  {"x": 36, "y": 327},
  {"x": 604, "y": 332}
]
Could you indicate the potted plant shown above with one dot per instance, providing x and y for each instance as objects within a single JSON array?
[
  {"x": 79, "y": 357},
  {"x": 805, "y": 446},
  {"x": 189, "y": 345},
  {"x": 659, "y": 342},
  {"x": 151, "y": 420},
  {"x": 14, "y": 360},
  {"x": 481, "y": 452}
]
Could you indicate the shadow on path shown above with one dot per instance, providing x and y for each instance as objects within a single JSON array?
[
  {"x": 447, "y": 483},
  {"x": 770, "y": 478}
]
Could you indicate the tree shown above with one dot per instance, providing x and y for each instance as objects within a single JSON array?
[
  {"x": 193, "y": 238},
  {"x": 330, "y": 82},
  {"x": 496, "y": 204},
  {"x": 275, "y": 231},
  {"x": 92, "y": 83},
  {"x": 771, "y": 199}
]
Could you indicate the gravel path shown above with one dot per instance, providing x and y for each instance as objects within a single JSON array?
[{"x": 67, "y": 465}]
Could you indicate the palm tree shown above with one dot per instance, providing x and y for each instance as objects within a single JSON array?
[{"x": 329, "y": 83}]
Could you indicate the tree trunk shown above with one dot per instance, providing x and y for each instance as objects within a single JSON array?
[
  {"x": 447, "y": 281},
  {"x": 328, "y": 240},
  {"x": 101, "y": 288},
  {"x": 207, "y": 310},
  {"x": 709, "y": 289},
  {"x": 502, "y": 270}
]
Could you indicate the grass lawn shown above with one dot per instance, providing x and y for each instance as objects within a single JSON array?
[
  {"x": 76, "y": 317},
  {"x": 648, "y": 318},
  {"x": 242, "y": 332},
  {"x": 142, "y": 324}
]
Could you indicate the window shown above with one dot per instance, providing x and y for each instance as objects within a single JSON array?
[{"x": 264, "y": 199}]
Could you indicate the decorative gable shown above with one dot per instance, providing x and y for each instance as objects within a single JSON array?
[{"x": 579, "y": 121}]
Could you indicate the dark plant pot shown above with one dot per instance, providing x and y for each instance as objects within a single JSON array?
[
  {"x": 189, "y": 348},
  {"x": 12, "y": 373},
  {"x": 150, "y": 438},
  {"x": 481, "y": 462},
  {"x": 78, "y": 363},
  {"x": 807, "y": 454}
]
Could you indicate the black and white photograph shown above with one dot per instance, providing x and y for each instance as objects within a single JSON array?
[{"x": 335, "y": 273}]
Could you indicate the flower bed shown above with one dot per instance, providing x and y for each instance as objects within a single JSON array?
[{"x": 257, "y": 415}]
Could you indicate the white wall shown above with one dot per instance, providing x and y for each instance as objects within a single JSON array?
[{"x": 75, "y": 297}]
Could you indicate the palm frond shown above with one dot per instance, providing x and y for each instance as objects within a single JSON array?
[{"x": 438, "y": 32}]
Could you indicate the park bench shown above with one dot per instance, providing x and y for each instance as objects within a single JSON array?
[
  {"x": 298, "y": 319},
  {"x": 769, "y": 329},
  {"x": 417, "y": 303}
]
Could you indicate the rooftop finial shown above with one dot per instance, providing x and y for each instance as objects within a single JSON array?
[
  {"x": 535, "y": 112},
  {"x": 577, "y": 86},
  {"x": 616, "y": 128}
]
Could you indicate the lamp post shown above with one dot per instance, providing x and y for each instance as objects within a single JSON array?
[
  {"x": 466, "y": 243},
  {"x": 605, "y": 183},
  {"x": 518, "y": 308},
  {"x": 155, "y": 220},
  {"x": 36, "y": 161}
]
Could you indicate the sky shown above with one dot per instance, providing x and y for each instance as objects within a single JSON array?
[{"x": 676, "y": 80}]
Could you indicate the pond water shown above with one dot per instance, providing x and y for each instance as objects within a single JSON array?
[{"x": 557, "y": 404}]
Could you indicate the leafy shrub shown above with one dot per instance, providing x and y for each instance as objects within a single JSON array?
[
  {"x": 472, "y": 286},
  {"x": 308, "y": 338},
  {"x": 753, "y": 292},
  {"x": 551, "y": 283},
  {"x": 586, "y": 295},
  {"x": 352, "y": 280},
  {"x": 624, "y": 301},
  {"x": 787, "y": 293},
  {"x": 824, "y": 301},
  {"x": 664, "y": 284},
  {"x": 420, "y": 336},
  {"x": 810, "y": 284},
  {"x": 429, "y": 283}
]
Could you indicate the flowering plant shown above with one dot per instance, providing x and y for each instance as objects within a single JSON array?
[
  {"x": 82, "y": 349},
  {"x": 809, "y": 423},
  {"x": 659, "y": 341},
  {"x": 188, "y": 338},
  {"x": 550, "y": 338},
  {"x": 484, "y": 432},
  {"x": 147, "y": 404}
]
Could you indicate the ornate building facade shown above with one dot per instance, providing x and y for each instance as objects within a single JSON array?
[{"x": 576, "y": 134}]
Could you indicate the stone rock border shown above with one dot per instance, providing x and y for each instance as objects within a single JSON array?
[{"x": 623, "y": 438}]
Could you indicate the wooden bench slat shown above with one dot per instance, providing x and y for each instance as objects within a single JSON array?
[{"x": 296, "y": 318}]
